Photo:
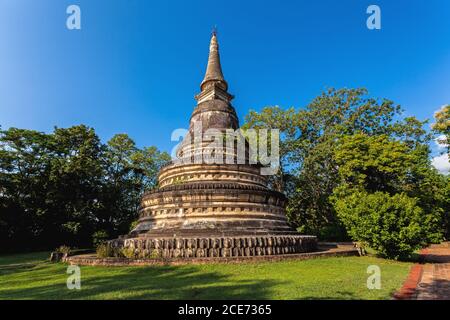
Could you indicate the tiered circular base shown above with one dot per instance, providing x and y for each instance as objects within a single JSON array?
[
  {"x": 243, "y": 246},
  {"x": 212, "y": 211}
]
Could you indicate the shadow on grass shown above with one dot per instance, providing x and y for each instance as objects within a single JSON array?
[
  {"x": 14, "y": 268},
  {"x": 156, "y": 282},
  {"x": 35, "y": 257},
  {"x": 413, "y": 257}
]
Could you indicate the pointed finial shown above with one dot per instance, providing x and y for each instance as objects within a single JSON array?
[
  {"x": 214, "y": 86},
  {"x": 214, "y": 69}
]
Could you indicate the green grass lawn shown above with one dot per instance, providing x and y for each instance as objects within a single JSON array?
[{"x": 30, "y": 276}]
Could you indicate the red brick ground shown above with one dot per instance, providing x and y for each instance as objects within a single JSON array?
[
  {"x": 408, "y": 289},
  {"x": 430, "y": 281}
]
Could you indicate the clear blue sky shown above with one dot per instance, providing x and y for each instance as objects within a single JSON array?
[{"x": 136, "y": 64}]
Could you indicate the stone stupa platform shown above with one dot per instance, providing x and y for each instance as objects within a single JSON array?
[{"x": 324, "y": 250}]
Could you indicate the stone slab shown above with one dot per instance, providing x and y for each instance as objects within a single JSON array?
[{"x": 328, "y": 251}]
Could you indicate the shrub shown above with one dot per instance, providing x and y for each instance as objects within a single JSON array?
[
  {"x": 128, "y": 253},
  {"x": 395, "y": 225},
  {"x": 155, "y": 254},
  {"x": 104, "y": 251}
]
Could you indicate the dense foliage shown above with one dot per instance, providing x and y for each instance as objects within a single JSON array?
[
  {"x": 442, "y": 126},
  {"x": 392, "y": 225},
  {"x": 344, "y": 143},
  {"x": 388, "y": 196},
  {"x": 68, "y": 188}
]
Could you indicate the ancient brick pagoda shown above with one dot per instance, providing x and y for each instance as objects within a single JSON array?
[{"x": 213, "y": 210}]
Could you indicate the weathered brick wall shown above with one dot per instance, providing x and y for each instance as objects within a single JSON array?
[{"x": 216, "y": 247}]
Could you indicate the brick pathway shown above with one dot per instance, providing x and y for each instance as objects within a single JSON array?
[
  {"x": 435, "y": 281},
  {"x": 431, "y": 280}
]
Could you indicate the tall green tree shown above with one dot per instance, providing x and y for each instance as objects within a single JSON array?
[
  {"x": 67, "y": 187},
  {"x": 74, "y": 193},
  {"x": 129, "y": 172},
  {"x": 310, "y": 137},
  {"x": 25, "y": 157},
  {"x": 442, "y": 126},
  {"x": 287, "y": 122}
]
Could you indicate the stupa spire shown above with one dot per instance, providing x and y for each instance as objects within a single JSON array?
[
  {"x": 214, "y": 69},
  {"x": 214, "y": 86}
]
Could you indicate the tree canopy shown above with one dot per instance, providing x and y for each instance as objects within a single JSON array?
[
  {"x": 442, "y": 126},
  {"x": 345, "y": 140},
  {"x": 68, "y": 188}
]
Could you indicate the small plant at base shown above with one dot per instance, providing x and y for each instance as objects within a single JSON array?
[
  {"x": 154, "y": 254},
  {"x": 104, "y": 251},
  {"x": 128, "y": 253}
]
